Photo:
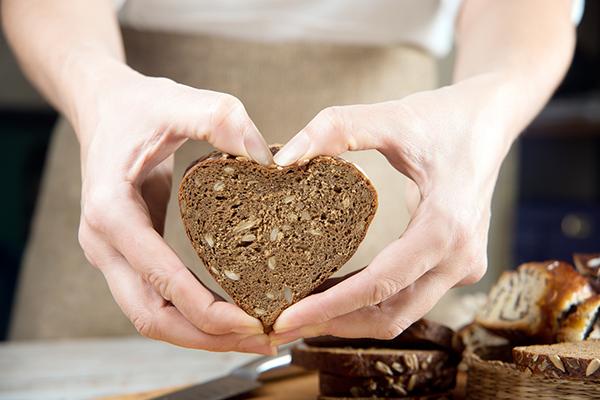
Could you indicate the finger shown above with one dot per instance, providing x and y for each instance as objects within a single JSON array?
[
  {"x": 382, "y": 321},
  {"x": 331, "y": 282},
  {"x": 338, "y": 129},
  {"x": 156, "y": 318},
  {"x": 420, "y": 249},
  {"x": 226, "y": 125},
  {"x": 156, "y": 190},
  {"x": 147, "y": 253}
]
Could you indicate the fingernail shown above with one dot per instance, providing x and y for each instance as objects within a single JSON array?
[
  {"x": 257, "y": 148},
  {"x": 293, "y": 150}
]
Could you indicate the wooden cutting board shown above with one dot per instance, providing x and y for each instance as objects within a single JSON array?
[{"x": 301, "y": 387}]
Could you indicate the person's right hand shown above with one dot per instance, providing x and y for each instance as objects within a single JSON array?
[{"x": 129, "y": 125}]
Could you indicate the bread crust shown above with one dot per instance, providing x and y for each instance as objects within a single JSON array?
[
  {"x": 588, "y": 265},
  {"x": 563, "y": 288},
  {"x": 580, "y": 324},
  {"x": 422, "y": 334},
  {"x": 370, "y": 362},
  {"x": 561, "y": 360},
  {"x": 289, "y": 289}
]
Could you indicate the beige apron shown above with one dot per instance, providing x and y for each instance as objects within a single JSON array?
[{"x": 282, "y": 86}]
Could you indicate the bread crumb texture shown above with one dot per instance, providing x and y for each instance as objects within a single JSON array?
[{"x": 270, "y": 235}]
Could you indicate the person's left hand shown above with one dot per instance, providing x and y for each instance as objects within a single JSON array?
[{"x": 450, "y": 142}]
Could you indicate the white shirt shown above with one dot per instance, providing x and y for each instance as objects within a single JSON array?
[{"x": 428, "y": 24}]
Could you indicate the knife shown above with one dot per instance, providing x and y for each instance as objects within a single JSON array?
[{"x": 241, "y": 380}]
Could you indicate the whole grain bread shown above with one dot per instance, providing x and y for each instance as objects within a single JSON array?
[
  {"x": 270, "y": 235},
  {"x": 532, "y": 300},
  {"x": 370, "y": 362},
  {"x": 569, "y": 360},
  {"x": 583, "y": 323},
  {"x": 422, "y": 334},
  {"x": 588, "y": 265},
  {"x": 419, "y": 383}
]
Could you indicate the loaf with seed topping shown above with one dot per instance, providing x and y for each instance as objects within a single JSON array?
[
  {"x": 570, "y": 360},
  {"x": 270, "y": 235}
]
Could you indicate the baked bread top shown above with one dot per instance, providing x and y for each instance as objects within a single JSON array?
[
  {"x": 531, "y": 301},
  {"x": 571, "y": 360},
  {"x": 270, "y": 235},
  {"x": 583, "y": 323}
]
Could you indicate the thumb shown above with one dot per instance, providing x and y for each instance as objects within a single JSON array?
[
  {"x": 333, "y": 131},
  {"x": 222, "y": 120}
]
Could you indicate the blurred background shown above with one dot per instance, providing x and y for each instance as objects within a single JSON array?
[{"x": 547, "y": 203}]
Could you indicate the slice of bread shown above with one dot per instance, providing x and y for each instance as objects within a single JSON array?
[
  {"x": 270, "y": 235},
  {"x": 424, "y": 382},
  {"x": 367, "y": 362},
  {"x": 583, "y": 323},
  {"x": 531, "y": 301},
  {"x": 571, "y": 360},
  {"x": 422, "y": 334},
  {"x": 588, "y": 265}
]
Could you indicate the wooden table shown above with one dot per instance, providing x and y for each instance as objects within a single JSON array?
[
  {"x": 93, "y": 368},
  {"x": 131, "y": 368}
]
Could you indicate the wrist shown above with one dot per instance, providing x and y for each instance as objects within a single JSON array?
[{"x": 86, "y": 76}]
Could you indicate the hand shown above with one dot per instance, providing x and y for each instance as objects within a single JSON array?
[
  {"x": 129, "y": 126},
  {"x": 450, "y": 142}
]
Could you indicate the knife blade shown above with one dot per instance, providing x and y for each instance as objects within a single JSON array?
[{"x": 241, "y": 380}]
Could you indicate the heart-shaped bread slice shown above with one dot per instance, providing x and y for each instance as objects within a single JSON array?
[{"x": 271, "y": 235}]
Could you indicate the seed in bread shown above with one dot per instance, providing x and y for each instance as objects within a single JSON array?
[
  {"x": 366, "y": 362},
  {"x": 569, "y": 360},
  {"x": 531, "y": 301},
  {"x": 254, "y": 227},
  {"x": 417, "y": 383},
  {"x": 583, "y": 323}
]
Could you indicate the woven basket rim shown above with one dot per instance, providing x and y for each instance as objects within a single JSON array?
[{"x": 485, "y": 377}]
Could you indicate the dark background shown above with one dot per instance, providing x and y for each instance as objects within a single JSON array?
[{"x": 558, "y": 210}]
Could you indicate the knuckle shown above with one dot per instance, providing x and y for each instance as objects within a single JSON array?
[
  {"x": 95, "y": 209},
  {"x": 476, "y": 269},
  {"x": 225, "y": 106},
  {"x": 161, "y": 280},
  {"x": 392, "y": 328},
  {"x": 331, "y": 117},
  {"x": 145, "y": 325},
  {"x": 383, "y": 287}
]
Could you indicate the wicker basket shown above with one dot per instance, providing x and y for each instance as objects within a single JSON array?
[{"x": 491, "y": 375}]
